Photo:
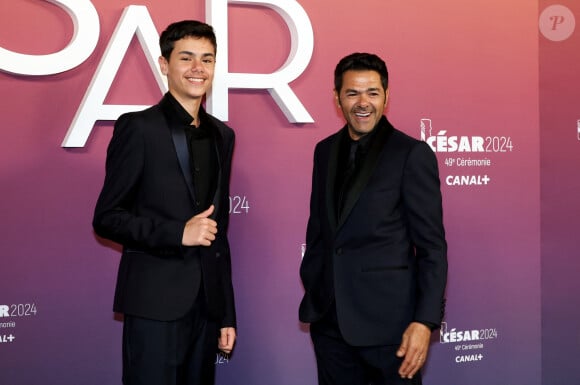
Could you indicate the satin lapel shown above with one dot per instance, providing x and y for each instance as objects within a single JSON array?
[
  {"x": 331, "y": 181},
  {"x": 219, "y": 145},
  {"x": 367, "y": 170},
  {"x": 180, "y": 143}
]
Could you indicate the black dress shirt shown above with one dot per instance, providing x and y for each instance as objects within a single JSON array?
[
  {"x": 202, "y": 153},
  {"x": 351, "y": 156}
]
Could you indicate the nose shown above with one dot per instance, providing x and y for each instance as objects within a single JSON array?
[
  {"x": 363, "y": 100},
  {"x": 196, "y": 64}
]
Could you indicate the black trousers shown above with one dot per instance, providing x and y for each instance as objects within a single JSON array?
[
  {"x": 180, "y": 352},
  {"x": 339, "y": 363}
]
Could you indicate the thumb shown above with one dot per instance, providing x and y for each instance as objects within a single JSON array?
[
  {"x": 403, "y": 348},
  {"x": 206, "y": 213}
]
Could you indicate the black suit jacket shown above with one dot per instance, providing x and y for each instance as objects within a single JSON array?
[
  {"x": 383, "y": 260},
  {"x": 147, "y": 198}
]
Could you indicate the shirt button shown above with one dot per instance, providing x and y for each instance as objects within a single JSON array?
[{"x": 339, "y": 251}]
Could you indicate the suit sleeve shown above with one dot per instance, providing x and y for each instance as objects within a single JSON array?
[
  {"x": 423, "y": 207},
  {"x": 313, "y": 232},
  {"x": 312, "y": 269},
  {"x": 114, "y": 217},
  {"x": 230, "y": 311}
]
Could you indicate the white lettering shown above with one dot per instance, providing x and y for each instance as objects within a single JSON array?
[
  {"x": 473, "y": 162},
  {"x": 469, "y": 358},
  {"x": 467, "y": 180},
  {"x": 442, "y": 143},
  {"x": 137, "y": 20},
  {"x": 6, "y": 338},
  {"x": 84, "y": 40},
  {"x": 277, "y": 83},
  {"x": 134, "y": 20},
  {"x": 457, "y": 336}
]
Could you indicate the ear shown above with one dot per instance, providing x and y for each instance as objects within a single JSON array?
[
  {"x": 386, "y": 97},
  {"x": 163, "y": 65},
  {"x": 336, "y": 98}
]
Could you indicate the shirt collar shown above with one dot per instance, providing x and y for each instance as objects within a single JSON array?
[
  {"x": 365, "y": 141},
  {"x": 175, "y": 111}
]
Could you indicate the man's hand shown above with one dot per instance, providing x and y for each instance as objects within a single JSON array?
[
  {"x": 200, "y": 230},
  {"x": 227, "y": 339},
  {"x": 414, "y": 348}
]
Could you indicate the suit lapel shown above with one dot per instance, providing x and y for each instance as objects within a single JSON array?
[
  {"x": 182, "y": 150},
  {"x": 360, "y": 182},
  {"x": 331, "y": 203},
  {"x": 180, "y": 143},
  {"x": 219, "y": 146},
  {"x": 171, "y": 115}
]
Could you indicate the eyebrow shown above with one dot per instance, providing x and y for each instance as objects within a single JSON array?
[
  {"x": 362, "y": 90},
  {"x": 192, "y": 54}
]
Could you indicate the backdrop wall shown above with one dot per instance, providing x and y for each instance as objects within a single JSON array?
[
  {"x": 560, "y": 210},
  {"x": 477, "y": 80}
]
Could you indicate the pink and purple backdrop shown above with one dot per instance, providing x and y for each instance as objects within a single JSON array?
[
  {"x": 479, "y": 71},
  {"x": 560, "y": 188}
]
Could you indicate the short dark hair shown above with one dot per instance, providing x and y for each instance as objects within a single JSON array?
[
  {"x": 186, "y": 28},
  {"x": 361, "y": 62}
]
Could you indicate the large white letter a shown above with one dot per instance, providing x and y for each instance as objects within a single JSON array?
[{"x": 134, "y": 21}]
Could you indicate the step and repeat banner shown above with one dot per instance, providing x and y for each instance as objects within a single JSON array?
[{"x": 463, "y": 78}]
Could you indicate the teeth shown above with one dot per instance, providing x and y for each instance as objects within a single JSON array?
[{"x": 363, "y": 115}]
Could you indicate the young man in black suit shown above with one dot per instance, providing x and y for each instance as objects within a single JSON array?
[
  {"x": 375, "y": 266},
  {"x": 165, "y": 199}
]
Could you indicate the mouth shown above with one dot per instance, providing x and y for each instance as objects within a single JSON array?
[
  {"x": 360, "y": 114},
  {"x": 193, "y": 80}
]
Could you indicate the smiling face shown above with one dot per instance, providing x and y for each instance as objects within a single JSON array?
[
  {"x": 189, "y": 69},
  {"x": 362, "y": 100}
]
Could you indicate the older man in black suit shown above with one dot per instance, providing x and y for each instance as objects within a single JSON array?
[
  {"x": 375, "y": 265},
  {"x": 166, "y": 200}
]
